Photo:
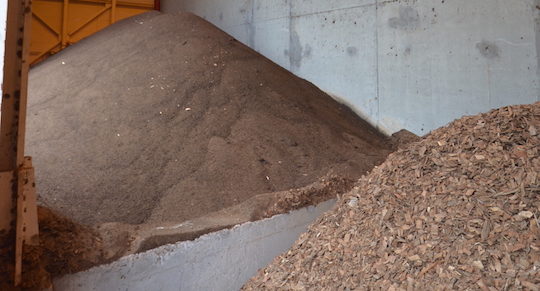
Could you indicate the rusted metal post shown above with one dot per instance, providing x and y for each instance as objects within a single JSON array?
[
  {"x": 65, "y": 34},
  {"x": 14, "y": 92},
  {"x": 113, "y": 11},
  {"x": 17, "y": 197},
  {"x": 27, "y": 232}
]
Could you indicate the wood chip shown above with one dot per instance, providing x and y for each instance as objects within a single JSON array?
[
  {"x": 478, "y": 265},
  {"x": 457, "y": 210}
]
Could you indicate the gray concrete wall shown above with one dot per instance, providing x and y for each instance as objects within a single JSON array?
[
  {"x": 223, "y": 260},
  {"x": 415, "y": 64}
]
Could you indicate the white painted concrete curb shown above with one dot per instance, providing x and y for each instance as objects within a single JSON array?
[{"x": 223, "y": 260}]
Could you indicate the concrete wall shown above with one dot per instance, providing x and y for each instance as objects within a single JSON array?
[
  {"x": 223, "y": 260},
  {"x": 414, "y": 64}
]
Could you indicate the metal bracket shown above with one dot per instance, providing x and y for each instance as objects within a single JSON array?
[{"x": 27, "y": 231}]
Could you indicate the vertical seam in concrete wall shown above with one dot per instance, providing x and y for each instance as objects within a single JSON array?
[
  {"x": 489, "y": 84},
  {"x": 378, "y": 115},
  {"x": 536, "y": 17},
  {"x": 251, "y": 25},
  {"x": 290, "y": 36}
]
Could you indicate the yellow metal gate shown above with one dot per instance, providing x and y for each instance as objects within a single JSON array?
[{"x": 59, "y": 23}]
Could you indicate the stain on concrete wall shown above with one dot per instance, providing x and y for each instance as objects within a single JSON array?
[
  {"x": 295, "y": 50},
  {"x": 407, "y": 51},
  {"x": 488, "y": 49},
  {"x": 306, "y": 53},
  {"x": 246, "y": 11},
  {"x": 352, "y": 51},
  {"x": 408, "y": 19}
]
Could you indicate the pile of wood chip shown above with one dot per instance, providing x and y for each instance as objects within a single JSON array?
[{"x": 458, "y": 210}]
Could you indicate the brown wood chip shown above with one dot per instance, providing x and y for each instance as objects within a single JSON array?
[{"x": 458, "y": 210}]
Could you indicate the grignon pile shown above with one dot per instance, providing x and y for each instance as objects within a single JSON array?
[
  {"x": 459, "y": 210},
  {"x": 163, "y": 117}
]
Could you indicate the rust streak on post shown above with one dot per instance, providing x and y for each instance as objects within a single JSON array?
[
  {"x": 65, "y": 15},
  {"x": 113, "y": 11},
  {"x": 27, "y": 233}
]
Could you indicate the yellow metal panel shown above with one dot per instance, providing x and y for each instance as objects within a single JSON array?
[
  {"x": 46, "y": 28},
  {"x": 59, "y": 23},
  {"x": 128, "y": 11}
]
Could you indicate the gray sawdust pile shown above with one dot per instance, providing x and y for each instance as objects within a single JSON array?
[
  {"x": 459, "y": 210},
  {"x": 167, "y": 118}
]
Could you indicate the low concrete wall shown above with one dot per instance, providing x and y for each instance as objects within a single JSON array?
[
  {"x": 223, "y": 260},
  {"x": 414, "y": 64}
]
